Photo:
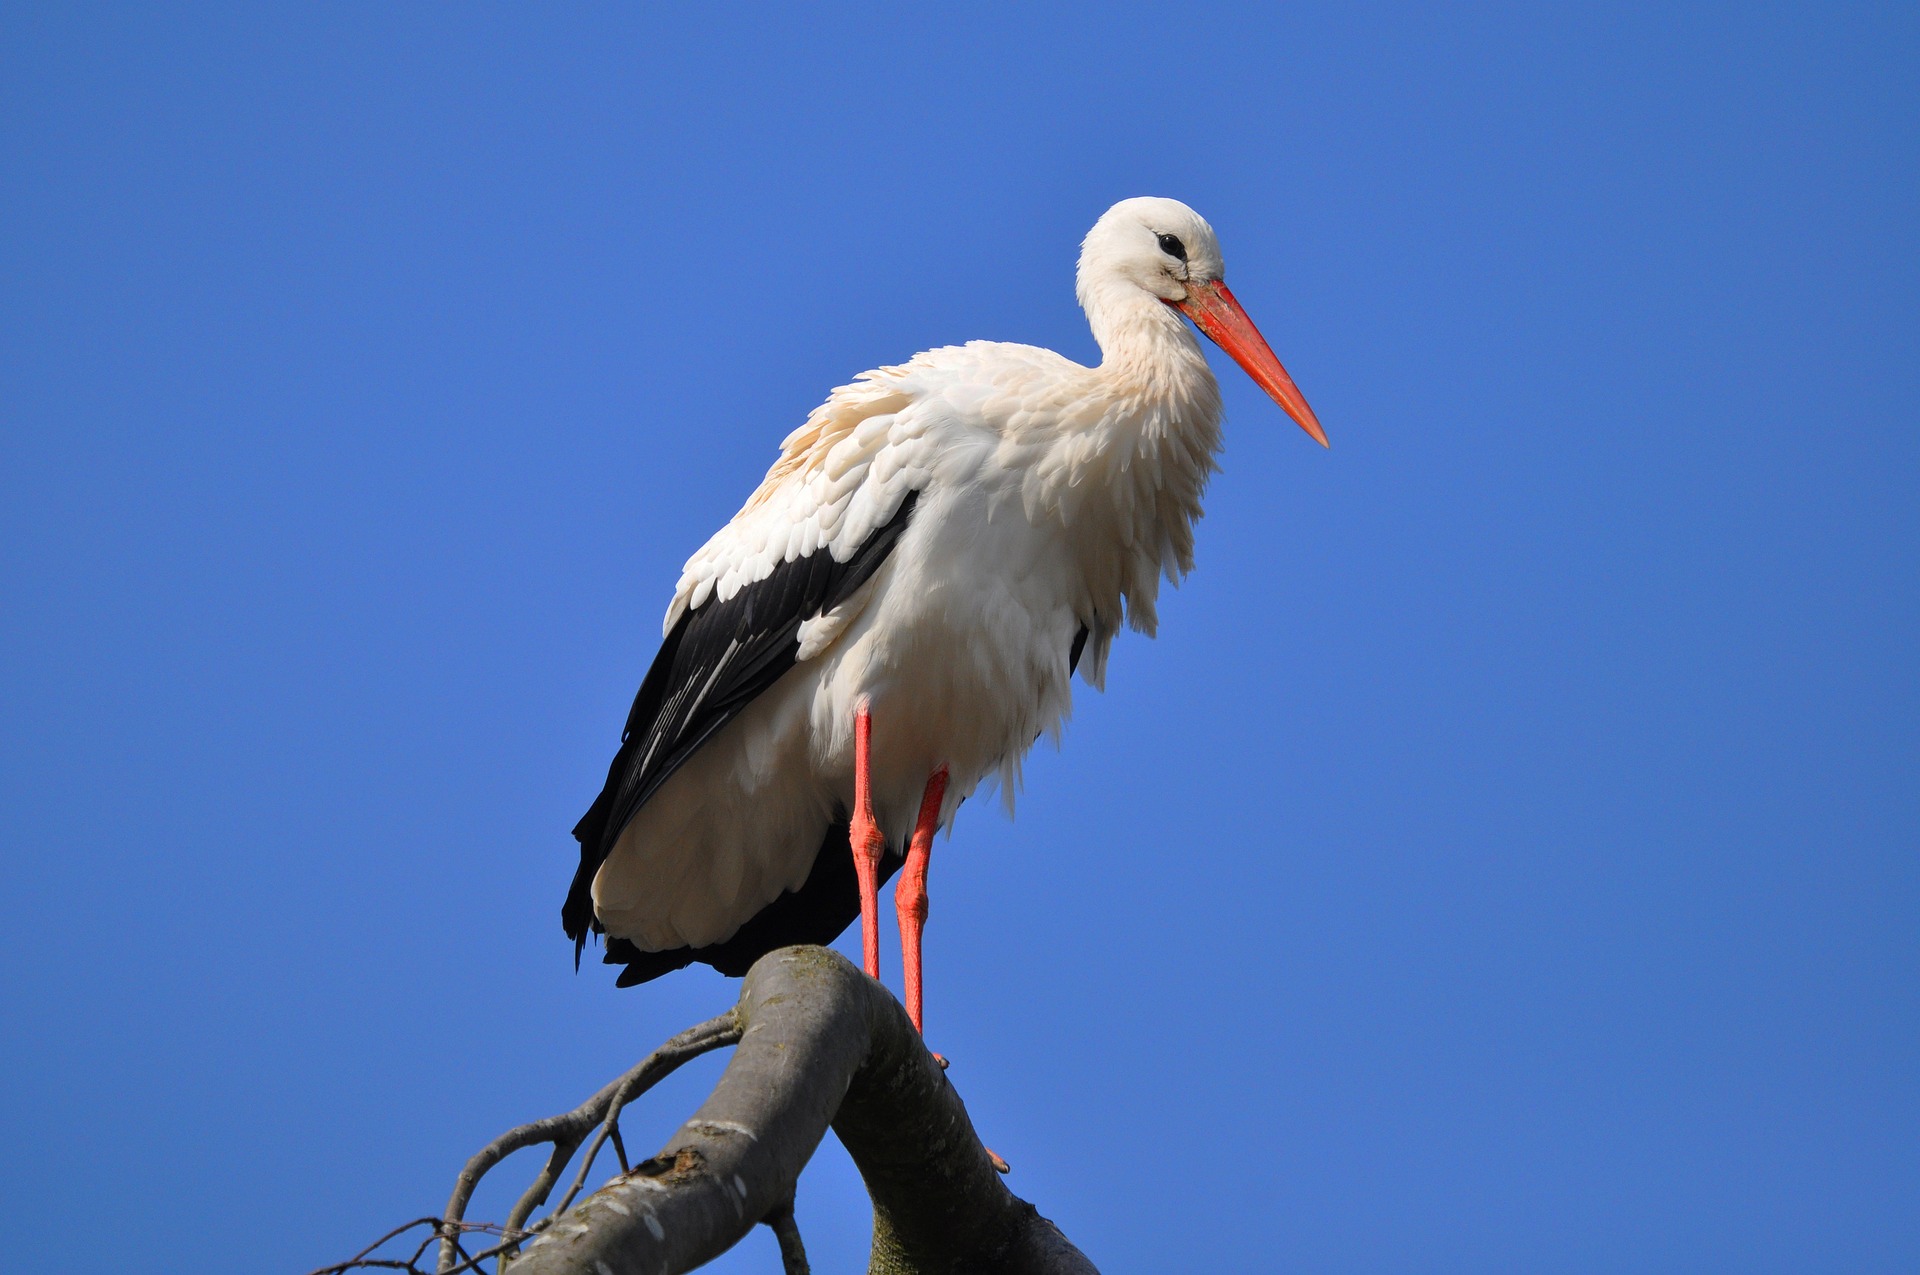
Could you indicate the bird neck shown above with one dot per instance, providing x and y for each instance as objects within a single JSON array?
[
  {"x": 1149, "y": 355},
  {"x": 1154, "y": 376},
  {"x": 1131, "y": 482}
]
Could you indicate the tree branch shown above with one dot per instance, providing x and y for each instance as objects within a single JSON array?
[
  {"x": 568, "y": 1130},
  {"x": 819, "y": 1043},
  {"x": 786, "y": 1232}
]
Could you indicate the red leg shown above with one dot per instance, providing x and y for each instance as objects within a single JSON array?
[
  {"x": 868, "y": 843},
  {"x": 910, "y": 902},
  {"x": 910, "y": 896}
]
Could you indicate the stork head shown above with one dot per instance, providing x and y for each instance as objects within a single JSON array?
[{"x": 1145, "y": 250}]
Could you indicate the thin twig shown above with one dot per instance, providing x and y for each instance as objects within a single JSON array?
[
  {"x": 395, "y": 1233},
  {"x": 793, "y": 1254},
  {"x": 363, "y": 1260},
  {"x": 536, "y": 1194},
  {"x": 609, "y": 1127},
  {"x": 566, "y": 1131},
  {"x": 650, "y": 1072}
]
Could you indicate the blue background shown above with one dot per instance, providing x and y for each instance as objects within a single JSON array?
[{"x": 1504, "y": 860}]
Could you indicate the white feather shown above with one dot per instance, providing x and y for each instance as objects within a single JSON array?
[{"x": 1053, "y": 497}]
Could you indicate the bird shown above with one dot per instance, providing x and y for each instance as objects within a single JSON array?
[{"x": 895, "y": 615}]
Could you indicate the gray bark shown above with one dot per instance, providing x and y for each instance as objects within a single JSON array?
[{"x": 820, "y": 1044}]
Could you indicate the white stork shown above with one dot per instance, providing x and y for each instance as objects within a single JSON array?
[{"x": 896, "y": 614}]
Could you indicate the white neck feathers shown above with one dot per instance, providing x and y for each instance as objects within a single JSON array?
[{"x": 1125, "y": 473}]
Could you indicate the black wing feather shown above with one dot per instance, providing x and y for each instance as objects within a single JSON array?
[{"x": 717, "y": 659}]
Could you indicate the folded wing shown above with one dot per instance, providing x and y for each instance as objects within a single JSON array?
[{"x": 826, "y": 518}]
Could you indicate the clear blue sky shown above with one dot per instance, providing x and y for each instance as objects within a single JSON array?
[{"x": 1505, "y": 860}]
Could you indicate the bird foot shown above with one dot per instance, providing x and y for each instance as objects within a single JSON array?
[{"x": 999, "y": 1165}]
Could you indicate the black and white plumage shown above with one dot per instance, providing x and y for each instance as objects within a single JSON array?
[
  {"x": 939, "y": 544},
  {"x": 713, "y": 663}
]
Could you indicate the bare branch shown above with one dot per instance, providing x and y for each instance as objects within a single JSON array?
[
  {"x": 361, "y": 1258},
  {"x": 793, "y": 1254},
  {"x": 820, "y": 1042},
  {"x": 364, "y": 1259},
  {"x": 566, "y": 1131}
]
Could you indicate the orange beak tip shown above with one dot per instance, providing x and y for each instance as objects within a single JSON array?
[{"x": 1215, "y": 312}]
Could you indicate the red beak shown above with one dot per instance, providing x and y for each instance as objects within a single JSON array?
[{"x": 1215, "y": 312}]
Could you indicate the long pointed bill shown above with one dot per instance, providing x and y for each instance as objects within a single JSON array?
[{"x": 1215, "y": 312}]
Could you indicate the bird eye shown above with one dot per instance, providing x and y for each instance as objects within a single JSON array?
[{"x": 1173, "y": 247}]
